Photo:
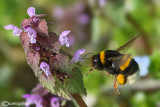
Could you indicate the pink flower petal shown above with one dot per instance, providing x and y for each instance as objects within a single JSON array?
[
  {"x": 33, "y": 99},
  {"x": 9, "y": 27},
  {"x": 16, "y": 31},
  {"x": 63, "y": 39},
  {"x": 76, "y": 56},
  {"x": 45, "y": 67},
  {"x": 55, "y": 102},
  {"x": 31, "y": 11}
]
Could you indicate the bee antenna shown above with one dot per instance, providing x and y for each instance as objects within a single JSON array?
[
  {"x": 89, "y": 71},
  {"x": 85, "y": 58},
  {"x": 87, "y": 54}
]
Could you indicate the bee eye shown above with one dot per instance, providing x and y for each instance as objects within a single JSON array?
[{"x": 95, "y": 60}]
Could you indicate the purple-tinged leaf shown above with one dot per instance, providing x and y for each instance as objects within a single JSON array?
[
  {"x": 42, "y": 28},
  {"x": 61, "y": 62},
  {"x": 24, "y": 23},
  {"x": 25, "y": 41},
  {"x": 50, "y": 43},
  {"x": 33, "y": 60},
  {"x": 39, "y": 90}
]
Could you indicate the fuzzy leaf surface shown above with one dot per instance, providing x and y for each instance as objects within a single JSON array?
[{"x": 75, "y": 83}]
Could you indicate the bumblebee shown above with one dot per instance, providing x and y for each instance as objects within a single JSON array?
[{"x": 123, "y": 66}]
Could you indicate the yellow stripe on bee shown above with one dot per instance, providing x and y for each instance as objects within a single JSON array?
[
  {"x": 125, "y": 65},
  {"x": 102, "y": 57},
  {"x": 121, "y": 79}
]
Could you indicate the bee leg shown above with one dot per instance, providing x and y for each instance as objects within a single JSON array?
[
  {"x": 90, "y": 71},
  {"x": 108, "y": 74},
  {"x": 116, "y": 84}
]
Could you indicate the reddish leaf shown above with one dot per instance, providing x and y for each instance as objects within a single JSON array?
[
  {"x": 61, "y": 62},
  {"x": 24, "y": 23},
  {"x": 33, "y": 61},
  {"x": 42, "y": 28},
  {"x": 25, "y": 41},
  {"x": 39, "y": 90},
  {"x": 50, "y": 43}
]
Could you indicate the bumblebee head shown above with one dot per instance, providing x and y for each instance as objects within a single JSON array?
[{"x": 96, "y": 63}]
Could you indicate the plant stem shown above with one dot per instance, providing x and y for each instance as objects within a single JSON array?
[{"x": 79, "y": 100}]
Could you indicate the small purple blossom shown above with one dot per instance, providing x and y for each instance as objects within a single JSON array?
[
  {"x": 63, "y": 39},
  {"x": 31, "y": 11},
  {"x": 83, "y": 19},
  {"x": 55, "y": 102},
  {"x": 16, "y": 31},
  {"x": 38, "y": 48},
  {"x": 102, "y": 3},
  {"x": 33, "y": 99},
  {"x": 77, "y": 57},
  {"x": 58, "y": 13},
  {"x": 32, "y": 34},
  {"x": 45, "y": 67},
  {"x": 35, "y": 17}
]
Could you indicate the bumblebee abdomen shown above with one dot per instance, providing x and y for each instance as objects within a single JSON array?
[{"x": 129, "y": 67}]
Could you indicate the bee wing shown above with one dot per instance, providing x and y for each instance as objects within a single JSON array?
[
  {"x": 119, "y": 61},
  {"x": 127, "y": 44}
]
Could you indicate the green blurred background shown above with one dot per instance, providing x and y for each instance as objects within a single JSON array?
[{"x": 95, "y": 25}]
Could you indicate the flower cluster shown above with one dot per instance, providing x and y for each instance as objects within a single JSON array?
[
  {"x": 33, "y": 99},
  {"x": 31, "y": 29},
  {"x": 38, "y": 100}
]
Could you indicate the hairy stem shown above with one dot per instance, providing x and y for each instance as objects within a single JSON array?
[{"x": 79, "y": 100}]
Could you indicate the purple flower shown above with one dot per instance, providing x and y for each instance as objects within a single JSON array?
[
  {"x": 55, "y": 102},
  {"x": 102, "y": 3},
  {"x": 76, "y": 56},
  {"x": 32, "y": 34},
  {"x": 31, "y": 11},
  {"x": 63, "y": 39},
  {"x": 83, "y": 19},
  {"x": 45, "y": 67},
  {"x": 38, "y": 48},
  {"x": 16, "y": 31},
  {"x": 35, "y": 17},
  {"x": 58, "y": 13},
  {"x": 33, "y": 99}
]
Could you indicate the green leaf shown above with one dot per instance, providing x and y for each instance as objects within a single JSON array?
[
  {"x": 54, "y": 86},
  {"x": 154, "y": 67},
  {"x": 61, "y": 63},
  {"x": 75, "y": 83}
]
